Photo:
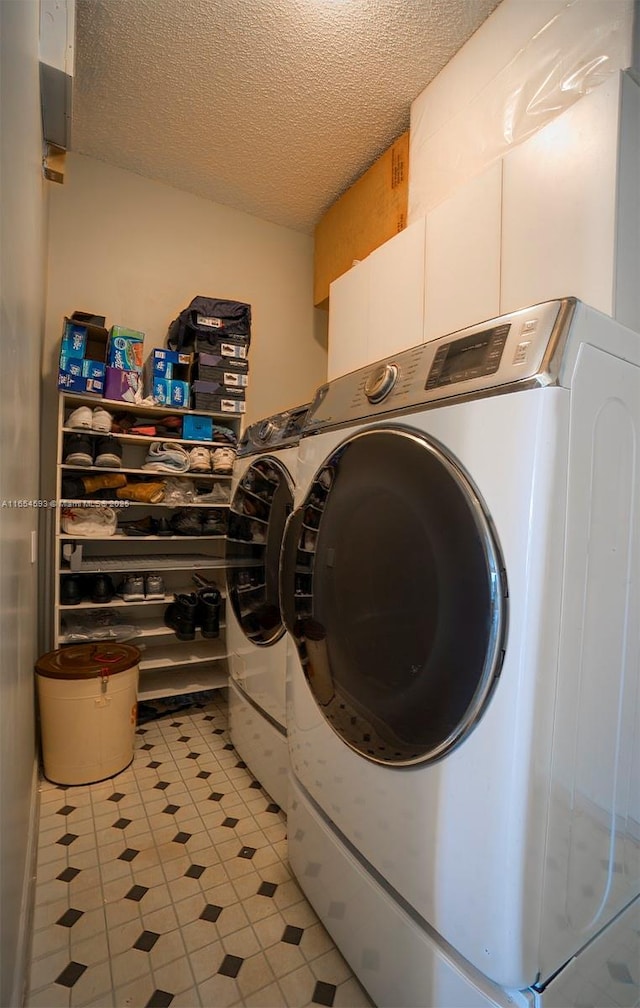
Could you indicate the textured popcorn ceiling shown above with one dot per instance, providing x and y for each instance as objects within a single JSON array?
[{"x": 274, "y": 107}]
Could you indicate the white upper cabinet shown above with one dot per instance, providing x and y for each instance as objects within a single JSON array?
[
  {"x": 396, "y": 293},
  {"x": 558, "y": 216},
  {"x": 348, "y": 321},
  {"x": 462, "y": 258},
  {"x": 377, "y": 307},
  {"x": 570, "y": 215}
]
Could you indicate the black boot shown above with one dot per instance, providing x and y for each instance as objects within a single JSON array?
[
  {"x": 180, "y": 615},
  {"x": 208, "y": 615},
  {"x": 71, "y": 589},
  {"x": 102, "y": 589}
]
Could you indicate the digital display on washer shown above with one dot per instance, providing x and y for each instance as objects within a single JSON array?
[{"x": 469, "y": 357}]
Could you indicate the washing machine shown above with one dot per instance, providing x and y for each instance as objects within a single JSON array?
[
  {"x": 262, "y": 490},
  {"x": 461, "y": 579}
]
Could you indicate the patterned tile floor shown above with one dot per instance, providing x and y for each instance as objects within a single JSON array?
[{"x": 169, "y": 885}]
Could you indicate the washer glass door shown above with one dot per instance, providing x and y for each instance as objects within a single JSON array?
[
  {"x": 395, "y": 594},
  {"x": 261, "y": 504}
]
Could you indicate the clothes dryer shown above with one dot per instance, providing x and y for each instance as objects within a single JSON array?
[
  {"x": 461, "y": 578},
  {"x": 262, "y": 490}
]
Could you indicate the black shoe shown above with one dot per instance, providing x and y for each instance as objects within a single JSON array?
[
  {"x": 71, "y": 589},
  {"x": 208, "y": 612},
  {"x": 180, "y": 616},
  {"x": 238, "y": 528},
  {"x": 146, "y": 527},
  {"x": 213, "y": 522},
  {"x": 78, "y": 450},
  {"x": 108, "y": 452},
  {"x": 102, "y": 589},
  {"x": 187, "y": 522},
  {"x": 143, "y": 527},
  {"x": 73, "y": 488}
]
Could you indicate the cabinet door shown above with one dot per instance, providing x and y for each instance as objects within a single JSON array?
[
  {"x": 462, "y": 260},
  {"x": 396, "y": 293},
  {"x": 348, "y": 321},
  {"x": 559, "y": 207}
]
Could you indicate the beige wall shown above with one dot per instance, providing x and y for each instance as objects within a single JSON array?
[
  {"x": 22, "y": 245},
  {"x": 138, "y": 251}
]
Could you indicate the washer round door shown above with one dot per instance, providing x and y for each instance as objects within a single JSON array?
[
  {"x": 258, "y": 512},
  {"x": 395, "y": 595}
]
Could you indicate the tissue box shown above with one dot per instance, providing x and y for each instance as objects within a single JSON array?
[
  {"x": 83, "y": 349},
  {"x": 125, "y": 349},
  {"x": 167, "y": 392},
  {"x": 69, "y": 382},
  {"x": 74, "y": 341},
  {"x": 162, "y": 369},
  {"x": 120, "y": 384},
  {"x": 169, "y": 364},
  {"x": 80, "y": 367}
]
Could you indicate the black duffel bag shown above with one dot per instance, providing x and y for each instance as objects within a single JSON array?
[{"x": 207, "y": 320}]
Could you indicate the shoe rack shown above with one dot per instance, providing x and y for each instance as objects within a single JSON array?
[{"x": 169, "y": 666}]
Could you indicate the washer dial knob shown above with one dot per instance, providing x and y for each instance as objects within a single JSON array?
[
  {"x": 380, "y": 382},
  {"x": 265, "y": 430}
]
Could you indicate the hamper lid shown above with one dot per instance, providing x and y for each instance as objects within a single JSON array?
[{"x": 86, "y": 661}]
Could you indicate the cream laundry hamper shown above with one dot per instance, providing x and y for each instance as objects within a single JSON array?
[{"x": 87, "y": 696}]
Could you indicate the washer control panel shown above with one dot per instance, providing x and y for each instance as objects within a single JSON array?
[
  {"x": 281, "y": 430},
  {"x": 519, "y": 347}
]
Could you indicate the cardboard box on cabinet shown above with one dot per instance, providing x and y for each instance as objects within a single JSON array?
[{"x": 370, "y": 212}]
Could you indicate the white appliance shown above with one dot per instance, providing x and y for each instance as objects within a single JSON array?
[
  {"x": 461, "y": 578},
  {"x": 262, "y": 491}
]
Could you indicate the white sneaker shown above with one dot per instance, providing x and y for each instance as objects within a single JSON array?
[
  {"x": 200, "y": 460},
  {"x": 131, "y": 589},
  {"x": 101, "y": 420},
  {"x": 222, "y": 460},
  {"x": 154, "y": 587},
  {"x": 80, "y": 419}
]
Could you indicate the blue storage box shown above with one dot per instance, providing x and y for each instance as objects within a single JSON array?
[{"x": 197, "y": 428}]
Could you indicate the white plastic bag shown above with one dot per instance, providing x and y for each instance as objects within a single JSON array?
[{"x": 91, "y": 520}]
